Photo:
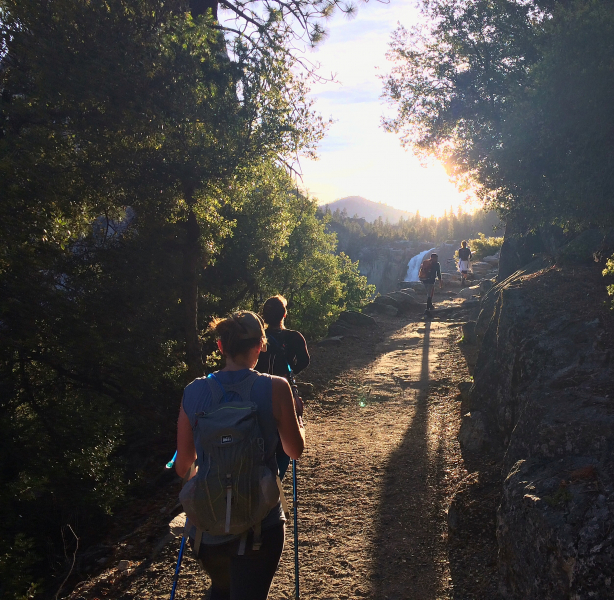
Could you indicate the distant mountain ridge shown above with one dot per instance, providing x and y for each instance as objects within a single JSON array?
[{"x": 367, "y": 209}]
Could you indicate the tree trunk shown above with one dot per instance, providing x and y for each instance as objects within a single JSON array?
[
  {"x": 189, "y": 297},
  {"x": 517, "y": 249}
]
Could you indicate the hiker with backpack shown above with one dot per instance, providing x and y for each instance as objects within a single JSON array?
[
  {"x": 229, "y": 425},
  {"x": 464, "y": 261},
  {"x": 430, "y": 270}
]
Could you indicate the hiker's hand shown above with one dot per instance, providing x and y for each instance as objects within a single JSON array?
[{"x": 298, "y": 405}]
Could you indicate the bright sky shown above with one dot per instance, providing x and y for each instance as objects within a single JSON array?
[{"x": 357, "y": 157}]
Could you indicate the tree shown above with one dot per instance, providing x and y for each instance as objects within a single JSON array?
[
  {"x": 116, "y": 115},
  {"x": 513, "y": 96}
]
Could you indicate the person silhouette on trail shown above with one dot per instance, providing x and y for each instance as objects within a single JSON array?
[
  {"x": 464, "y": 261},
  {"x": 275, "y": 361},
  {"x": 285, "y": 347},
  {"x": 430, "y": 270},
  {"x": 239, "y": 567}
]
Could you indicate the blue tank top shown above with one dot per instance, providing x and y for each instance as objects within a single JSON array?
[{"x": 197, "y": 398}]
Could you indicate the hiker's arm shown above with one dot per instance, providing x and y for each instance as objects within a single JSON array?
[
  {"x": 439, "y": 275},
  {"x": 291, "y": 432},
  {"x": 186, "y": 453},
  {"x": 301, "y": 358}
]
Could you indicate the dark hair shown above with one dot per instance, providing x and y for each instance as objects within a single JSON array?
[
  {"x": 434, "y": 255},
  {"x": 239, "y": 333},
  {"x": 464, "y": 243},
  {"x": 274, "y": 309}
]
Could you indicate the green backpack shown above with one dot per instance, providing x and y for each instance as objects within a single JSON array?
[{"x": 234, "y": 489}]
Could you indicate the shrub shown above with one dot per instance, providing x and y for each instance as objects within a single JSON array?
[{"x": 484, "y": 246}]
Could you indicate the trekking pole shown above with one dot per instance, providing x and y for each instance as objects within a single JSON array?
[
  {"x": 178, "y": 567},
  {"x": 169, "y": 465},
  {"x": 295, "y": 503}
]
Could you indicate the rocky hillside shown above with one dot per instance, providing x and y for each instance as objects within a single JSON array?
[{"x": 542, "y": 406}]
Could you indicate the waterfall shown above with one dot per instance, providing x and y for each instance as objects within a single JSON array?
[{"x": 413, "y": 266}]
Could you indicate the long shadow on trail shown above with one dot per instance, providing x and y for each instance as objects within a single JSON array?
[{"x": 408, "y": 531}]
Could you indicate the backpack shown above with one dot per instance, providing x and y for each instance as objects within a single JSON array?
[
  {"x": 234, "y": 488},
  {"x": 277, "y": 347},
  {"x": 425, "y": 269}
]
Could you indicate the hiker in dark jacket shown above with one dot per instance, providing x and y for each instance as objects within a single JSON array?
[
  {"x": 286, "y": 351},
  {"x": 284, "y": 346},
  {"x": 433, "y": 269}
]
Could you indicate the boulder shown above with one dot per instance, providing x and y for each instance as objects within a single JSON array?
[
  {"x": 542, "y": 405},
  {"x": 485, "y": 285},
  {"x": 472, "y": 432},
  {"x": 561, "y": 509},
  {"x": 383, "y": 309},
  {"x": 403, "y": 299},
  {"x": 470, "y": 292},
  {"x": 491, "y": 260},
  {"x": 387, "y": 300},
  {"x": 468, "y": 329},
  {"x": 480, "y": 266},
  {"x": 357, "y": 319},
  {"x": 339, "y": 328},
  {"x": 407, "y": 290}
]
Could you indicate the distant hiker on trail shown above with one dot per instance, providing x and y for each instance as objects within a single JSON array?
[
  {"x": 286, "y": 350},
  {"x": 235, "y": 518},
  {"x": 464, "y": 261},
  {"x": 430, "y": 269}
]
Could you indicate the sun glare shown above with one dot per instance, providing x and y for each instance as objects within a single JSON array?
[{"x": 385, "y": 175}]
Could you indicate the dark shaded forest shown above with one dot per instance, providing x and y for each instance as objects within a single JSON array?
[{"x": 146, "y": 186}]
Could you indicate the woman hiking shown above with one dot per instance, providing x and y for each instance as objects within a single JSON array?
[
  {"x": 241, "y": 565},
  {"x": 286, "y": 355}
]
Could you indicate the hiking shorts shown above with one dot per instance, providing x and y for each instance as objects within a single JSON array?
[{"x": 245, "y": 577}]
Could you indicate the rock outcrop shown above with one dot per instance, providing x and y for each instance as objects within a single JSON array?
[{"x": 543, "y": 404}]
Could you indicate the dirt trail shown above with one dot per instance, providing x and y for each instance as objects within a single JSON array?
[{"x": 374, "y": 484}]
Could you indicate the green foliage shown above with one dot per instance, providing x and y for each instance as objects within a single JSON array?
[
  {"x": 484, "y": 246},
  {"x": 514, "y": 97},
  {"x": 140, "y": 193},
  {"x": 17, "y": 563},
  {"x": 279, "y": 245}
]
